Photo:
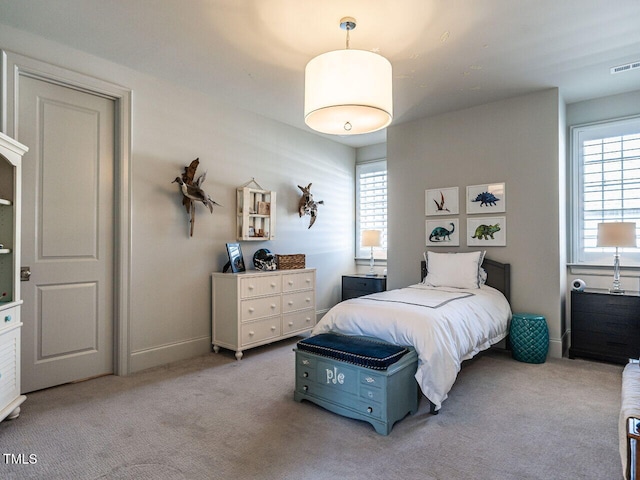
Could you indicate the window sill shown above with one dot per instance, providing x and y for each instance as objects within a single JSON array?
[{"x": 586, "y": 268}]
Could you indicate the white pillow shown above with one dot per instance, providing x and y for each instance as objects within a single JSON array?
[{"x": 457, "y": 270}]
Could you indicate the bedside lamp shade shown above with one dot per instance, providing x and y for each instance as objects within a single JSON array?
[
  {"x": 371, "y": 238},
  {"x": 616, "y": 234}
]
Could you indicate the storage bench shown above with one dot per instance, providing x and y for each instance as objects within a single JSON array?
[{"x": 358, "y": 377}]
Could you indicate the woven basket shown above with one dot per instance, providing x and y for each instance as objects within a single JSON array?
[{"x": 290, "y": 262}]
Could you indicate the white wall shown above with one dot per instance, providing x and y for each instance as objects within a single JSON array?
[
  {"x": 171, "y": 126},
  {"x": 516, "y": 141}
]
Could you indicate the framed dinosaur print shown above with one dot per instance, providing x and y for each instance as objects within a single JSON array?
[
  {"x": 487, "y": 231},
  {"x": 441, "y": 201},
  {"x": 443, "y": 232},
  {"x": 488, "y": 198}
]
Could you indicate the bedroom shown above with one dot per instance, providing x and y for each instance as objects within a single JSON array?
[{"x": 172, "y": 124}]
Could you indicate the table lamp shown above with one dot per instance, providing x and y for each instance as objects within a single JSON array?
[
  {"x": 616, "y": 234},
  {"x": 371, "y": 238}
]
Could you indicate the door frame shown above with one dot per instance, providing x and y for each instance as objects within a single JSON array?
[{"x": 12, "y": 67}]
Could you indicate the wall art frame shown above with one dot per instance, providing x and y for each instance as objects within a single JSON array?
[
  {"x": 487, "y": 198},
  {"x": 441, "y": 201},
  {"x": 444, "y": 232},
  {"x": 487, "y": 231}
]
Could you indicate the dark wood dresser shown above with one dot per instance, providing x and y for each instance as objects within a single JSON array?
[
  {"x": 605, "y": 326},
  {"x": 357, "y": 285}
]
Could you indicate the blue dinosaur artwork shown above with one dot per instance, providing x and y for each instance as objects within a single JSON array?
[
  {"x": 486, "y": 199},
  {"x": 440, "y": 234}
]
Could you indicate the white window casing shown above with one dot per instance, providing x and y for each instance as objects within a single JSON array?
[
  {"x": 371, "y": 206},
  {"x": 605, "y": 187}
]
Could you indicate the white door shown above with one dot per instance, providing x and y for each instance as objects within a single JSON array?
[{"x": 67, "y": 233}]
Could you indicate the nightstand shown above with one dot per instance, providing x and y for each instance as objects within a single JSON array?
[
  {"x": 605, "y": 326},
  {"x": 357, "y": 285}
]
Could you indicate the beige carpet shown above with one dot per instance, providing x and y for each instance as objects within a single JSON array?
[{"x": 215, "y": 418}]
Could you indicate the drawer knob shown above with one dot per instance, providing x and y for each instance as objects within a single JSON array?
[
  {"x": 369, "y": 409},
  {"x": 251, "y": 333},
  {"x": 308, "y": 280},
  {"x": 291, "y": 324},
  {"x": 305, "y": 388},
  {"x": 370, "y": 380},
  {"x": 290, "y": 302},
  {"x": 308, "y": 319},
  {"x": 251, "y": 287},
  {"x": 251, "y": 309},
  {"x": 306, "y": 362},
  {"x": 307, "y": 300},
  {"x": 273, "y": 285},
  {"x": 290, "y": 282},
  {"x": 273, "y": 305},
  {"x": 305, "y": 374},
  {"x": 7, "y": 319},
  {"x": 273, "y": 328}
]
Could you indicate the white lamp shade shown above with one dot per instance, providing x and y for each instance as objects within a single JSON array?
[
  {"x": 348, "y": 92},
  {"x": 617, "y": 234},
  {"x": 371, "y": 238}
]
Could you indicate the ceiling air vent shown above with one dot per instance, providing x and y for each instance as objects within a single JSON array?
[{"x": 625, "y": 68}]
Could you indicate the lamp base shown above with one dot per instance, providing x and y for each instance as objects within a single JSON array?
[
  {"x": 369, "y": 274},
  {"x": 616, "y": 291}
]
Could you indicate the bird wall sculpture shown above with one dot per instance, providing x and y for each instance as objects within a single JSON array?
[
  {"x": 307, "y": 205},
  {"x": 192, "y": 192}
]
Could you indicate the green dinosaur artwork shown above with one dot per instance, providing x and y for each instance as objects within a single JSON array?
[{"x": 483, "y": 232}]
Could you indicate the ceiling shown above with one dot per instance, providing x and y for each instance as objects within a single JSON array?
[{"x": 446, "y": 55}]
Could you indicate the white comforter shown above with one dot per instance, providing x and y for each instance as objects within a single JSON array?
[{"x": 445, "y": 325}]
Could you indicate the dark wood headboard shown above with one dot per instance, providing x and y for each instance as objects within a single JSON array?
[{"x": 498, "y": 275}]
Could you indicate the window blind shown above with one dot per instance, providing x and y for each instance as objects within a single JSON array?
[{"x": 371, "y": 205}]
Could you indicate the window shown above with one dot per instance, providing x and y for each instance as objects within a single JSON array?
[
  {"x": 605, "y": 185},
  {"x": 371, "y": 206}
]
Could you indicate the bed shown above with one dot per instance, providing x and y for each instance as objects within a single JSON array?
[{"x": 453, "y": 314}]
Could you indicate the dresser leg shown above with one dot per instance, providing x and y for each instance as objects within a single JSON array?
[
  {"x": 216, "y": 348},
  {"x": 239, "y": 354},
  {"x": 14, "y": 414}
]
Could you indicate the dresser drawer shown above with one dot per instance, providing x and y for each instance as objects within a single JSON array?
[
  {"x": 9, "y": 317},
  {"x": 620, "y": 345},
  {"x": 363, "y": 284},
  {"x": 298, "y": 281},
  {"x": 255, "y": 308},
  {"x": 604, "y": 323},
  {"x": 258, "y": 286},
  {"x": 9, "y": 351},
  {"x": 298, "y": 321},
  {"x": 260, "y": 330},
  {"x": 598, "y": 303},
  {"x": 298, "y": 301}
]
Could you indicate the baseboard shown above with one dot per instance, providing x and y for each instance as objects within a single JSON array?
[
  {"x": 556, "y": 347},
  {"x": 164, "y": 354}
]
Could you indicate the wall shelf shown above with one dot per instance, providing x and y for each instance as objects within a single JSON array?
[{"x": 256, "y": 213}]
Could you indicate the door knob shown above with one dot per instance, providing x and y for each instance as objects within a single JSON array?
[{"x": 25, "y": 274}]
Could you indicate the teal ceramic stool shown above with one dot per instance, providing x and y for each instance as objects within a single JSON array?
[{"x": 529, "y": 336}]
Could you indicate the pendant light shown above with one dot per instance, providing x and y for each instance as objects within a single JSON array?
[{"x": 348, "y": 92}]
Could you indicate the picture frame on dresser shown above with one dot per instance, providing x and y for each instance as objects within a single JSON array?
[{"x": 236, "y": 260}]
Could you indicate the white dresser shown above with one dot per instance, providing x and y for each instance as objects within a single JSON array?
[
  {"x": 257, "y": 307},
  {"x": 11, "y": 153}
]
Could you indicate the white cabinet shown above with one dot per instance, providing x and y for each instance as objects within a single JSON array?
[
  {"x": 256, "y": 212},
  {"x": 11, "y": 153},
  {"x": 254, "y": 308}
]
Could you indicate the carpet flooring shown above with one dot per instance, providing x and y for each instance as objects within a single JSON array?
[{"x": 213, "y": 417}]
